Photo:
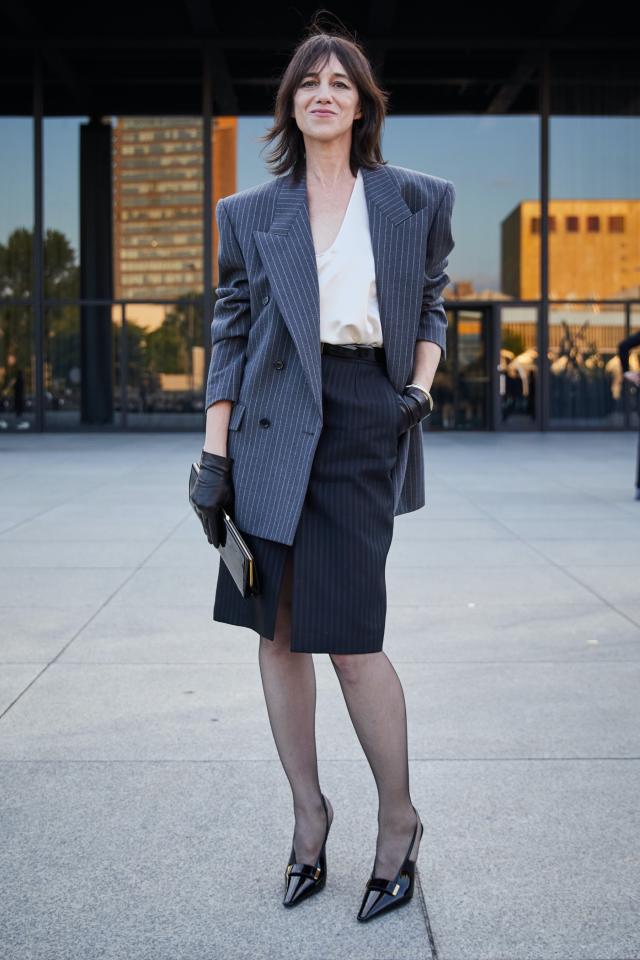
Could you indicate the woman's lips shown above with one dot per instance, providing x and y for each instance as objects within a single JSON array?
[{"x": 323, "y": 113}]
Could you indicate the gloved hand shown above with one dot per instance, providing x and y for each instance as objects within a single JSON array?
[
  {"x": 415, "y": 407},
  {"x": 212, "y": 491}
]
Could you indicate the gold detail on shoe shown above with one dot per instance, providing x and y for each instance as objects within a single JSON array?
[
  {"x": 289, "y": 869},
  {"x": 317, "y": 873},
  {"x": 395, "y": 889}
]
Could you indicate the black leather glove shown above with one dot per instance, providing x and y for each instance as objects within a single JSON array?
[
  {"x": 415, "y": 408},
  {"x": 212, "y": 491}
]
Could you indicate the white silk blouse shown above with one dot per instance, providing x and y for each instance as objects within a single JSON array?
[{"x": 347, "y": 281}]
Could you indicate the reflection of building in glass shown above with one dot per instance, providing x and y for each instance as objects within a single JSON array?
[
  {"x": 594, "y": 249},
  {"x": 158, "y": 197},
  {"x": 159, "y": 241}
]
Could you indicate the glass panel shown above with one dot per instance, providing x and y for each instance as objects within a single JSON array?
[
  {"x": 473, "y": 380},
  {"x": 16, "y": 205},
  {"x": 497, "y": 251},
  {"x": 61, "y": 202},
  {"x": 594, "y": 253},
  {"x": 585, "y": 381},
  {"x": 69, "y": 404},
  {"x": 165, "y": 369},
  {"x": 17, "y": 362},
  {"x": 518, "y": 366},
  {"x": 594, "y": 190},
  {"x": 62, "y": 367}
]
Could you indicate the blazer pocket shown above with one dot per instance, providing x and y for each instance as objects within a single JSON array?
[{"x": 237, "y": 413}]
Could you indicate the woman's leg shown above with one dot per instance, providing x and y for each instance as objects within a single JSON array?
[
  {"x": 289, "y": 683},
  {"x": 375, "y": 701}
]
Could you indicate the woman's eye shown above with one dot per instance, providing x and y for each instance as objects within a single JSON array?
[{"x": 307, "y": 82}]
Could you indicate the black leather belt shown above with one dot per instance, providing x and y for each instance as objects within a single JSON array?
[{"x": 363, "y": 351}]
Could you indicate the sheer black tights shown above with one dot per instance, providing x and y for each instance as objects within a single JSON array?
[
  {"x": 376, "y": 705},
  {"x": 289, "y": 683}
]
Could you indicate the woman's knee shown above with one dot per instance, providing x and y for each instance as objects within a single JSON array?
[{"x": 350, "y": 666}]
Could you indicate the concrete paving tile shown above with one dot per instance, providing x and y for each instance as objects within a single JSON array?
[
  {"x": 9, "y": 516},
  {"x": 172, "y": 586},
  {"x": 574, "y": 553},
  {"x": 175, "y": 552},
  {"x": 583, "y": 509},
  {"x": 188, "y": 530},
  {"x": 163, "y": 861},
  {"x": 146, "y": 633},
  {"x": 36, "y": 634},
  {"x": 587, "y": 528},
  {"x": 208, "y": 711},
  {"x": 541, "y": 709},
  {"x": 94, "y": 527},
  {"x": 428, "y": 527},
  {"x": 145, "y": 711},
  {"x": 563, "y": 504},
  {"x": 631, "y": 610},
  {"x": 526, "y": 860},
  {"x": 511, "y": 585},
  {"x": 485, "y": 553},
  {"x": 47, "y": 586},
  {"x": 618, "y": 584},
  {"x": 74, "y": 553},
  {"x": 448, "y": 504},
  {"x": 519, "y": 633},
  {"x": 14, "y": 678}
]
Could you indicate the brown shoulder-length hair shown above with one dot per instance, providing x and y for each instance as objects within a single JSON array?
[{"x": 288, "y": 152}]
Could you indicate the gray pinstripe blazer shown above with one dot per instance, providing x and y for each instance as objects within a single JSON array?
[{"x": 266, "y": 321}]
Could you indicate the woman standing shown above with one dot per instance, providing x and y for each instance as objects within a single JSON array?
[{"x": 327, "y": 332}]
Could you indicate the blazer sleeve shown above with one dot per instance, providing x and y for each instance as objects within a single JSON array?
[
  {"x": 231, "y": 315},
  {"x": 440, "y": 243}
]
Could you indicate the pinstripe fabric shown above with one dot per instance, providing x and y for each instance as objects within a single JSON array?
[
  {"x": 339, "y": 553},
  {"x": 265, "y": 330}
]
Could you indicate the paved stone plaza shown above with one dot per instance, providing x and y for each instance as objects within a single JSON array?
[{"x": 144, "y": 812}]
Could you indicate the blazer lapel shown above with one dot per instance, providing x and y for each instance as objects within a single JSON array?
[{"x": 398, "y": 240}]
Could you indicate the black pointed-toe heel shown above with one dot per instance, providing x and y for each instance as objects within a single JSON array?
[
  {"x": 381, "y": 894},
  {"x": 302, "y": 880}
]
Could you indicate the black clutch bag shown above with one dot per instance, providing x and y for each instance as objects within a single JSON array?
[{"x": 233, "y": 549}]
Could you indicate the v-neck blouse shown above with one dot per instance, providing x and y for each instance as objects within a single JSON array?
[{"x": 349, "y": 311}]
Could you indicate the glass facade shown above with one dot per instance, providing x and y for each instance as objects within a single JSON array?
[
  {"x": 518, "y": 384},
  {"x": 116, "y": 335}
]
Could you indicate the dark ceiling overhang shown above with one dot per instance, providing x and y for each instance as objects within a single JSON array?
[{"x": 145, "y": 59}]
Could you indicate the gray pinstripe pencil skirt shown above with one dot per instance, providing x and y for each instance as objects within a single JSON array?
[{"x": 339, "y": 553}]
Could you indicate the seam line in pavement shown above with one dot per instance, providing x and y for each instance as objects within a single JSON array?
[
  {"x": 349, "y": 760},
  {"x": 101, "y": 607},
  {"x": 425, "y": 915}
]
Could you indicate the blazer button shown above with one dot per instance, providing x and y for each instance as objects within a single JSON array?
[
  {"x": 264, "y": 422},
  {"x": 266, "y": 298},
  {"x": 278, "y": 364}
]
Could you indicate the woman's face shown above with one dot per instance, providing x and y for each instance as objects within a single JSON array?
[{"x": 326, "y": 103}]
